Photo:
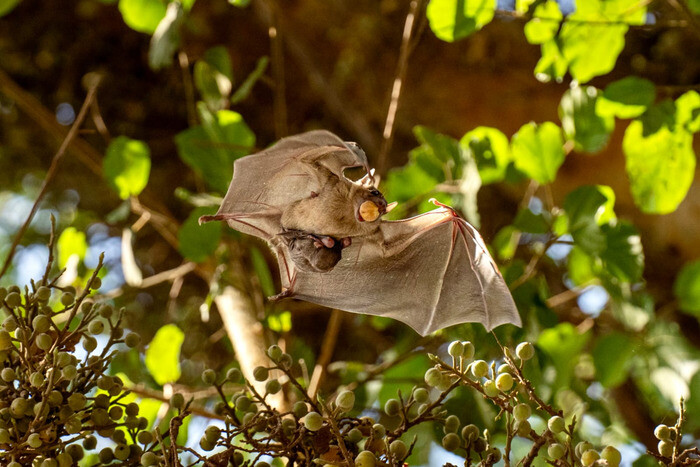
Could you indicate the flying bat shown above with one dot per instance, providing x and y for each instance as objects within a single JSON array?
[{"x": 334, "y": 249}]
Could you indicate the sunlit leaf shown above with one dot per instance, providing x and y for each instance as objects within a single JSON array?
[
  {"x": 563, "y": 343},
  {"x": 584, "y": 207},
  {"x": 687, "y": 288},
  {"x": 660, "y": 167},
  {"x": 657, "y": 116},
  {"x": 166, "y": 37},
  {"x": 490, "y": 149},
  {"x": 142, "y": 15},
  {"x": 452, "y": 20},
  {"x": 626, "y": 98},
  {"x": 537, "y": 151},
  {"x": 688, "y": 111},
  {"x": 210, "y": 149},
  {"x": 127, "y": 166},
  {"x": 71, "y": 242},
  {"x": 623, "y": 255},
  {"x": 239, "y": 3},
  {"x": 552, "y": 65},
  {"x": 506, "y": 242},
  {"x": 544, "y": 23},
  {"x": 213, "y": 77},
  {"x": 589, "y": 131},
  {"x": 581, "y": 266},
  {"x": 196, "y": 242},
  {"x": 262, "y": 270},
  {"x": 612, "y": 357},
  {"x": 528, "y": 221},
  {"x": 7, "y": 6},
  {"x": 163, "y": 354},
  {"x": 280, "y": 322}
]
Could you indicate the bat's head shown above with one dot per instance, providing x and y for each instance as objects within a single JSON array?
[{"x": 370, "y": 204}]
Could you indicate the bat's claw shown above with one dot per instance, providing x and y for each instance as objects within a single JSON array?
[
  {"x": 438, "y": 203},
  {"x": 286, "y": 293}
]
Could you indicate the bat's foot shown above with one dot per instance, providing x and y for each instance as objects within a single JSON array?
[{"x": 286, "y": 293}]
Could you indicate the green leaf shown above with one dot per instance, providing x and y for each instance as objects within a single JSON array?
[
  {"x": 544, "y": 24},
  {"x": 582, "y": 268},
  {"x": 687, "y": 288},
  {"x": 213, "y": 77},
  {"x": 166, "y": 37},
  {"x": 506, "y": 242},
  {"x": 694, "y": 6},
  {"x": 281, "y": 322},
  {"x": 452, "y": 20},
  {"x": 267, "y": 284},
  {"x": 239, "y": 3},
  {"x": 552, "y": 65},
  {"x": 142, "y": 15},
  {"x": 612, "y": 357},
  {"x": 584, "y": 207},
  {"x": 658, "y": 116},
  {"x": 589, "y": 131},
  {"x": 127, "y": 166},
  {"x": 688, "y": 111},
  {"x": 528, "y": 221},
  {"x": 623, "y": 256},
  {"x": 537, "y": 151},
  {"x": 626, "y": 98},
  {"x": 211, "y": 148},
  {"x": 163, "y": 354},
  {"x": 660, "y": 167},
  {"x": 490, "y": 149},
  {"x": 563, "y": 343},
  {"x": 71, "y": 242},
  {"x": 196, "y": 242},
  {"x": 7, "y": 6},
  {"x": 244, "y": 89},
  {"x": 407, "y": 182},
  {"x": 394, "y": 379}
]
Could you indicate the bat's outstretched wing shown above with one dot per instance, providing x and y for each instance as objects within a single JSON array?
[
  {"x": 430, "y": 271},
  {"x": 265, "y": 183}
]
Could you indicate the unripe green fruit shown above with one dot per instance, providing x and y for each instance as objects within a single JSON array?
[
  {"x": 4, "y": 436},
  {"x": 14, "y": 464},
  {"x": 75, "y": 451},
  {"x": 504, "y": 368},
  {"x": 233, "y": 375},
  {"x": 77, "y": 401},
  {"x": 106, "y": 310},
  {"x": 365, "y": 459},
  {"x": 102, "y": 401},
  {"x": 662, "y": 432},
  {"x": 34, "y": 440},
  {"x": 131, "y": 422},
  {"x": 421, "y": 395},
  {"x": 106, "y": 455},
  {"x": 6, "y": 339},
  {"x": 212, "y": 433},
  {"x": 96, "y": 283},
  {"x": 105, "y": 382},
  {"x": 495, "y": 454},
  {"x": 525, "y": 351},
  {"x": 43, "y": 293},
  {"x": 470, "y": 433},
  {"x": 44, "y": 341},
  {"x": 132, "y": 409},
  {"x": 49, "y": 463},
  {"x": 208, "y": 376},
  {"x": 274, "y": 352},
  {"x": 90, "y": 442},
  {"x": 9, "y": 324},
  {"x": 247, "y": 418},
  {"x": 116, "y": 413},
  {"x": 67, "y": 299},
  {"x": 589, "y": 457},
  {"x": 456, "y": 349},
  {"x": 41, "y": 323},
  {"x": 273, "y": 386},
  {"x": 8, "y": 374},
  {"x": 288, "y": 425},
  {"x": 378, "y": 430},
  {"x": 556, "y": 424},
  {"x": 480, "y": 368},
  {"x": 398, "y": 449},
  {"x": 665, "y": 448},
  {"x": 433, "y": 377},
  {"x": 132, "y": 340},
  {"x": 468, "y": 352},
  {"x": 69, "y": 372},
  {"x": 504, "y": 382},
  {"x": 313, "y": 421},
  {"x": 450, "y": 442},
  {"x": 392, "y": 407},
  {"x": 119, "y": 437},
  {"x": 148, "y": 459},
  {"x": 142, "y": 423},
  {"x": 345, "y": 400},
  {"x": 73, "y": 425},
  {"x": 177, "y": 400},
  {"x": 261, "y": 373},
  {"x": 63, "y": 359},
  {"x": 55, "y": 398},
  {"x": 612, "y": 456},
  {"x": 490, "y": 388},
  {"x": 582, "y": 447},
  {"x": 300, "y": 409},
  {"x": 261, "y": 464},
  {"x": 64, "y": 460},
  {"x": 96, "y": 327},
  {"x": 13, "y": 299},
  {"x": 354, "y": 435},
  {"x": 556, "y": 451},
  {"x": 89, "y": 343},
  {"x": 452, "y": 424},
  {"x": 18, "y": 407},
  {"x": 522, "y": 412},
  {"x": 144, "y": 437},
  {"x": 121, "y": 451},
  {"x": 243, "y": 403}
]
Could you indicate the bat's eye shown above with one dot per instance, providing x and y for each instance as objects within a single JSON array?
[{"x": 374, "y": 192}]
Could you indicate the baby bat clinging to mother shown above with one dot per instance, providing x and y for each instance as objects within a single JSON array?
[{"x": 333, "y": 247}]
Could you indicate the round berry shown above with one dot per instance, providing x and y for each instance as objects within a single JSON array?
[
  {"x": 398, "y": 449},
  {"x": 365, "y": 459},
  {"x": 208, "y": 376},
  {"x": 300, "y": 409},
  {"x": 392, "y": 407},
  {"x": 313, "y": 421},
  {"x": 34, "y": 440},
  {"x": 456, "y": 349},
  {"x": 665, "y": 448},
  {"x": 433, "y": 377},
  {"x": 662, "y": 432},
  {"x": 261, "y": 373},
  {"x": 421, "y": 395},
  {"x": 611, "y": 455},
  {"x": 144, "y": 437},
  {"x": 148, "y": 459},
  {"x": 132, "y": 340},
  {"x": 589, "y": 457},
  {"x": 67, "y": 300},
  {"x": 274, "y": 352},
  {"x": 345, "y": 400},
  {"x": 490, "y": 389},
  {"x": 556, "y": 424},
  {"x": 13, "y": 299},
  {"x": 556, "y": 451},
  {"x": 273, "y": 386},
  {"x": 450, "y": 442},
  {"x": 43, "y": 293},
  {"x": 504, "y": 382},
  {"x": 44, "y": 341},
  {"x": 96, "y": 327},
  {"x": 522, "y": 412},
  {"x": 480, "y": 368},
  {"x": 452, "y": 424},
  {"x": 525, "y": 351}
]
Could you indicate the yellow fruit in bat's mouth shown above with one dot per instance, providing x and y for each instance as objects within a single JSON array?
[{"x": 369, "y": 211}]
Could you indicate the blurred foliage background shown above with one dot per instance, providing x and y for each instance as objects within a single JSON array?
[{"x": 563, "y": 130}]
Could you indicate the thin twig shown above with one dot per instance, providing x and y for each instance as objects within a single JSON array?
[
  {"x": 277, "y": 55},
  {"x": 51, "y": 172},
  {"x": 190, "y": 104},
  {"x": 400, "y": 76},
  {"x": 165, "y": 276},
  {"x": 327, "y": 349}
]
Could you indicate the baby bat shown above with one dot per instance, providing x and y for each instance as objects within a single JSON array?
[{"x": 429, "y": 271}]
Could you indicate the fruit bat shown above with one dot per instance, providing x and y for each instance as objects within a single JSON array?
[{"x": 334, "y": 249}]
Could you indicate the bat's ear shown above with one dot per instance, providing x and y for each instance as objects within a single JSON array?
[{"x": 370, "y": 180}]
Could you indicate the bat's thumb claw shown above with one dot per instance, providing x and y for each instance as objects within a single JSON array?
[
  {"x": 204, "y": 219},
  {"x": 391, "y": 206}
]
